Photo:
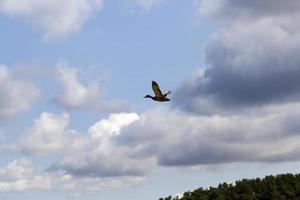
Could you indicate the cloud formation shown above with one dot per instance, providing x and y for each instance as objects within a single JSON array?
[
  {"x": 175, "y": 138},
  {"x": 49, "y": 134},
  {"x": 79, "y": 95},
  {"x": 256, "y": 8},
  {"x": 54, "y": 18},
  {"x": 124, "y": 148},
  {"x": 172, "y": 138},
  {"x": 20, "y": 176},
  {"x": 16, "y": 96},
  {"x": 252, "y": 61},
  {"x": 84, "y": 155},
  {"x": 83, "y": 164},
  {"x": 23, "y": 176},
  {"x": 101, "y": 158}
]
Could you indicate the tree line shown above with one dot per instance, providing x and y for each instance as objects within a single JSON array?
[{"x": 280, "y": 187}]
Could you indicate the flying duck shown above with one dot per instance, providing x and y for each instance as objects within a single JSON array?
[{"x": 159, "y": 96}]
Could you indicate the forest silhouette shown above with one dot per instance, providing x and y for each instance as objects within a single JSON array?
[{"x": 280, "y": 187}]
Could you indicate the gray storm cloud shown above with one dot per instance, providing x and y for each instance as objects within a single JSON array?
[
  {"x": 182, "y": 139},
  {"x": 254, "y": 8},
  {"x": 251, "y": 61}
]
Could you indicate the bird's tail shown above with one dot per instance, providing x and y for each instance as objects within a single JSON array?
[{"x": 166, "y": 94}]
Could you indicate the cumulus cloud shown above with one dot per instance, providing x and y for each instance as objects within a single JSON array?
[
  {"x": 83, "y": 186},
  {"x": 84, "y": 155},
  {"x": 111, "y": 163},
  {"x": 54, "y": 18},
  {"x": 101, "y": 158},
  {"x": 16, "y": 95},
  {"x": 256, "y": 8},
  {"x": 49, "y": 134},
  {"x": 23, "y": 176},
  {"x": 128, "y": 145},
  {"x": 244, "y": 104},
  {"x": 123, "y": 149},
  {"x": 84, "y": 163},
  {"x": 107, "y": 128},
  {"x": 20, "y": 176},
  {"x": 251, "y": 61},
  {"x": 176, "y": 138},
  {"x": 77, "y": 94}
]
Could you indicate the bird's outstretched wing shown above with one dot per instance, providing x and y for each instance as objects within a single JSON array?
[
  {"x": 156, "y": 90},
  {"x": 166, "y": 94}
]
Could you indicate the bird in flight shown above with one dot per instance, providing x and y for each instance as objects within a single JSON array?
[{"x": 159, "y": 96}]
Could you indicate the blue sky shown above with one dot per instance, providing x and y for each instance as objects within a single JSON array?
[{"x": 73, "y": 74}]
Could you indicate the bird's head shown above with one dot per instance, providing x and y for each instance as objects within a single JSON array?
[{"x": 147, "y": 96}]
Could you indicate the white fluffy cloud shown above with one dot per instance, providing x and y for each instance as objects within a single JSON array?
[
  {"x": 49, "y": 134},
  {"x": 124, "y": 148},
  {"x": 54, "y": 17},
  {"x": 23, "y": 176},
  {"x": 84, "y": 164},
  {"x": 83, "y": 186},
  {"x": 100, "y": 157},
  {"x": 15, "y": 95},
  {"x": 84, "y": 155},
  {"x": 77, "y": 94},
  {"x": 131, "y": 145},
  {"x": 128, "y": 145},
  {"x": 107, "y": 128},
  {"x": 20, "y": 176}
]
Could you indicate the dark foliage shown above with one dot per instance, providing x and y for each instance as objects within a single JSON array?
[{"x": 280, "y": 187}]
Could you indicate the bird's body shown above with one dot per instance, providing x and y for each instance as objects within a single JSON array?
[
  {"x": 159, "y": 96},
  {"x": 161, "y": 99}
]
